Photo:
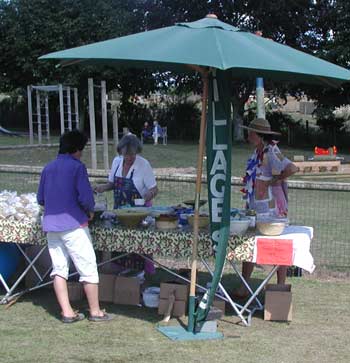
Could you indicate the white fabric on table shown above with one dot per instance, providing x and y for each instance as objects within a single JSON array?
[{"x": 301, "y": 236}]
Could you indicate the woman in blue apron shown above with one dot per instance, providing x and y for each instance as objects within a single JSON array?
[
  {"x": 131, "y": 177},
  {"x": 125, "y": 191}
]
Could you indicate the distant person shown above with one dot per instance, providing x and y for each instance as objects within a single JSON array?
[
  {"x": 68, "y": 201},
  {"x": 157, "y": 132},
  {"x": 146, "y": 131}
]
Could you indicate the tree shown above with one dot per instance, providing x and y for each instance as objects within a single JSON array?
[
  {"x": 331, "y": 29},
  {"x": 287, "y": 22},
  {"x": 29, "y": 29}
]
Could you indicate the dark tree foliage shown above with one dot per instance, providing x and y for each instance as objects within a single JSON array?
[{"x": 29, "y": 29}]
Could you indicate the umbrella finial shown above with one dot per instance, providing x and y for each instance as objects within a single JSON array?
[{"x": 211, "y": 16}]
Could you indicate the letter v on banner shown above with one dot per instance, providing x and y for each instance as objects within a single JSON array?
[{"x": 218, "y": 145}]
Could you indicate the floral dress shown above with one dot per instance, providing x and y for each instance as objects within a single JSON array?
[{"x": 259, "y": 195}]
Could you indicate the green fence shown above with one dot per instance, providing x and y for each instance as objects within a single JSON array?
[{"x": 324, "y": 206}]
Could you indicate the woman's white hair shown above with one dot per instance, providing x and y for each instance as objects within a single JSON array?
[{"x": 129, "y": 144}]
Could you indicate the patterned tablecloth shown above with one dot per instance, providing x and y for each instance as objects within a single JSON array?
[{"x": 172, "y": 243}]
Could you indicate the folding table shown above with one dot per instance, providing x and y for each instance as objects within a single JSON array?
[
  {"x": 291, "y": 248},
  {"x": 173, "y": 243}
]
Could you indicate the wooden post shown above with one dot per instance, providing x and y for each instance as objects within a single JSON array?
[
  {"x": 197, "y": 199},
  {"x": 104, "y": 124},
  {"x": 76, "y": 108},
  {"x": 30, "y": 115},
  {"x": 115, "y": 124},
  {"x": 60, "y": 93},
  {"x": 38, "y": 116},
  {"x": 92, "y": 123},
  {"x": 69, "y": 109},
  {"x": 47, "y": 117}
]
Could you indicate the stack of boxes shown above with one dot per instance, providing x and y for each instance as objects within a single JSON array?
[
  {"x": 119, "y": 289},
  {"x": 180, "y": 292}
]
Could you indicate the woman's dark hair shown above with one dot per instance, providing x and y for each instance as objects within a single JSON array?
[
  {"x": 267, "y": 137},
  {"x": 72, "y": 141}
]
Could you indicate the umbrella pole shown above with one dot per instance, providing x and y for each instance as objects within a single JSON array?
[{"x": 192, "y": 297}]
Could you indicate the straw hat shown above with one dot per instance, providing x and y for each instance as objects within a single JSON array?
[{"x": 261, "y": 126}]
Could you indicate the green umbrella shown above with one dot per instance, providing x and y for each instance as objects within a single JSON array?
[
  {"x": 219, "y": 52},
  {"x": 207, "y": 43}
]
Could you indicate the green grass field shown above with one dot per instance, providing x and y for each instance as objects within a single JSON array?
[
  {"x": 31, "y": 332},
  {"x": 173, "y": 155}
]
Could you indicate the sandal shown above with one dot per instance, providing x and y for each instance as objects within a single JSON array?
[
  {"x": 72, "y": 319},
  {"x": 104, "y": 317}
]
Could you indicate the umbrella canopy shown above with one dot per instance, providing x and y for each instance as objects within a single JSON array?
[
  {"x": 208, "y": 42},
  {"x": 228, "y": 52}
]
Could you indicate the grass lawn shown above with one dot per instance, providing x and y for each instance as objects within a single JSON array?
[
  {"x": 31, "y": 332},
  {"x": 173, "y": 155}
]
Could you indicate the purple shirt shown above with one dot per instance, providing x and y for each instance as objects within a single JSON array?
[{"x": 66, "y": 194}]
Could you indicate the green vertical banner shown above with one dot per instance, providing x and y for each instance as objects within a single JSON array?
[{"x": 219, "y": 145}]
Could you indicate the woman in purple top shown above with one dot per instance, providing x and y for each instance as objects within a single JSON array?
[{"x": 67, "y": 198}]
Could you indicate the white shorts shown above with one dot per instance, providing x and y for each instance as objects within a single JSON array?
[{"x": 75, "y": 244}]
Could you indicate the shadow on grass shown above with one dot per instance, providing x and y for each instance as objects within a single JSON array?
[{"x": 46, "y": 299}]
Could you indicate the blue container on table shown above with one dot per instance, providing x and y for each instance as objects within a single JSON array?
[
  {"x": 182, "y": 213},
  {"x": 9, "y": 259}
]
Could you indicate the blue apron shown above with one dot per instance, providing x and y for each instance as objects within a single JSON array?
[{"x": 125, "y": 191}]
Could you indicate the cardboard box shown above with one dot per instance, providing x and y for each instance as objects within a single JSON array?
[
  {"x": 181, "y": 291},
  {"x": 126, "y": 291},
  {"x": 278, "y": 302},
  {"x": 106, "y": 287},
  {"x": 179, "y": 308},
  {"x": 75, "y": 291},
  {"x": 217, "y": 303},
  {"x": 220, "y": 304}
]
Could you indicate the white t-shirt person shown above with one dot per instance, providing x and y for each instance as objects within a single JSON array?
[{"x": 141, "y": 171}]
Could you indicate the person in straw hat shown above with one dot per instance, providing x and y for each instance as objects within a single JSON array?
[{"x": 265, "y": 187}]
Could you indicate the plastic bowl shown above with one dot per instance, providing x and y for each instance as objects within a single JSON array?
[
  {"x": 129, "y": 217},
  {"x": 139, "y": 202},
  {"x": 203, "y": 221},
  {"x": 239, "y": 227},
  {"x": 270, "y": 228},
  {"x": 166, "y": 221},
  {"x": 157, "y": 211},
  {"x": 151, "y": 297},
  {"x": 192, "y": 202}
]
